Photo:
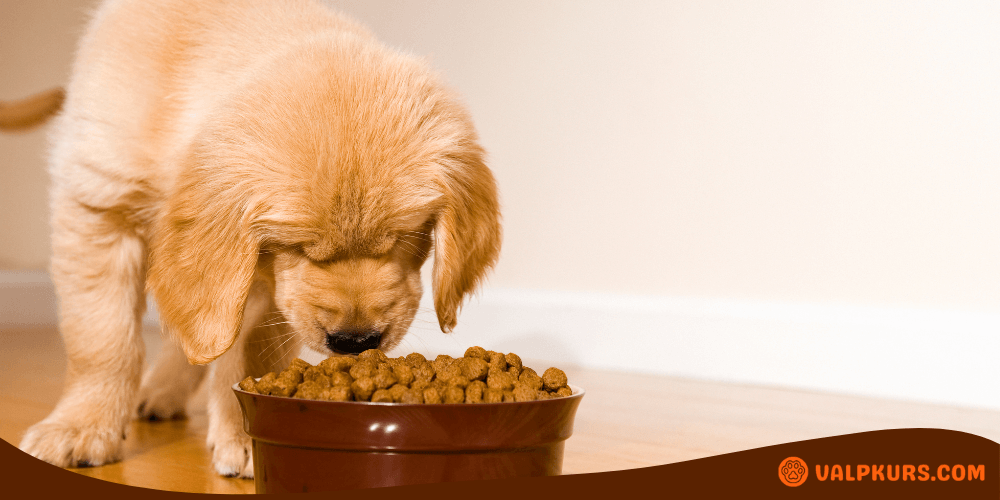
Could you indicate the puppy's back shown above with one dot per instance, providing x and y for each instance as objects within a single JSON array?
[{"x": 149, "y": 73}]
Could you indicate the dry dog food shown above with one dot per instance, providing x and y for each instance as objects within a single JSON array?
[{"x": 480, "y": 376}]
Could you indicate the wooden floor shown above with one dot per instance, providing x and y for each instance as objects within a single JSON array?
[{"x": 625, "y": 420}]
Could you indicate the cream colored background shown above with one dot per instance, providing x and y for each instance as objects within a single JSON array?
[{"x": 833, "y": 152}]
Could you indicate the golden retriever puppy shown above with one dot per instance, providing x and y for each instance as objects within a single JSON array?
[{"x": 275, "y": 177}]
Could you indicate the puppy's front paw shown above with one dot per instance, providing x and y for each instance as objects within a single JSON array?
[
  {"x": 66, "y": 445},
  {"x": 233, "y": 457}
]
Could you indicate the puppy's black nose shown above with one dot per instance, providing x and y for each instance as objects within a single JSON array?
[{"x": 353, "y": 341}]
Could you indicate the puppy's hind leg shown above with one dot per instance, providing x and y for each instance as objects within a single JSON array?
[
  {"x": 98, "y": 266},
  {"x": 168, "y": 385}
]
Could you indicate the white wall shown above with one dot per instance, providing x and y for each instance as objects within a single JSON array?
[
  {"x": 836, "y": 151},
  {"x": 830, "y": 165},
  {"x": 841, "y": 151},
  {"x": 37, "y": 39}
]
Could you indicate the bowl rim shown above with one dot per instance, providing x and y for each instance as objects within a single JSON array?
[{"x": 578, "y": 392}]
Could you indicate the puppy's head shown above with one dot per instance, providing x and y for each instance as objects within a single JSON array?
[{"x": 332, "y": 176}]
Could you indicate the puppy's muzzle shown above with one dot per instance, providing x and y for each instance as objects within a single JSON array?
[{"x": 353, "y": 341}]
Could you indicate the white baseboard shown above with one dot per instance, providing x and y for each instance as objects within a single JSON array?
[
  {"x": 947, "y": 357},
  {"x": 28, "y": 298}
]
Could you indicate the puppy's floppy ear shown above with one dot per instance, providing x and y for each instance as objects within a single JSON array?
[
  {"x": 202, "y": 261},
  {"x": 467, "y": 232}
]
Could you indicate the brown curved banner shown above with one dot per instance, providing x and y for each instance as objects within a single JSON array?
[{"x": 897, "y": 463}]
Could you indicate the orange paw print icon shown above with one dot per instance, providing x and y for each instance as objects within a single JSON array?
[{"x": 793, "y": 471}]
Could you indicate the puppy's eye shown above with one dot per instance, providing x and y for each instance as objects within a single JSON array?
[{"x": 299, "y": 250}]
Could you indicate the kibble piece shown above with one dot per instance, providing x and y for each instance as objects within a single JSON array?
[
  {"x": 373, "y": 355},
  {"x": 284, "y": 386},
  {"x": 492, "y": 395},
  {"x": 564, "y": 391},
  {"x": 544, "y": 395},
  {"x": 530, "y": 379},
  {"x": 554, "y": 378},
  {"x": 413, "y": 397},
  {"x": 424, "y": 373},
  {"x": 529, "y": 370},
  {"x": 397, "y": 392},
  {"x": 493, "y": 357},
  {"x": 497, "y": 364},
  {"x": 291, "y": 376},
  {"x": 338, "y": 393},
  {"x": 266, "y": 383},
  {"x": 310, "y": 389},
  {"x": 438, "y": 384},
  {"x": 337, "y": 364},
  {"x": 454, "y": 394},
  {"x": 449, "y": 371},
  {"x": 394, "y": 362},
  {"x": 442, "y": 364},
  {"x": 508, "y": 397},
  {"x": 381, "y": 396},
  {"x": 403, "y": 373},
  {"x": 299, "y": 365},
  {"x": 475, "y": 352},
  {"x": 363, "y": 388},
  {"x": 459, "y": 381},
  {"x": 523, "y": 392},
  {"x": 420, "y": 384},
  {"x": 322, "y": 380},
  {"x": 384, "y": 379},
  {"x": 431, "y": 395},
  {"x": 474, "y": 368},
  {"x": 513, "y": 360},
  {"x": 341, "y": 378},
  {"x": 248, "y": 384},
  {"x": 501, "y": 381},
  {"x": 314, "y": 373},
  {"x": 415, "y": 358},
  {"x": 363, "y": 369},
  {"x": 474, "y": 392}
]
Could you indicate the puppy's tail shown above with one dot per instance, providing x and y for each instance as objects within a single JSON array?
[{"x": 31, "y": 111}]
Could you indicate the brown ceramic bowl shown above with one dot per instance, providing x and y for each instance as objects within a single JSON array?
[{"x": 305, "y": 445}]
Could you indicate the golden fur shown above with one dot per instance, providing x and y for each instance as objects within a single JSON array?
[{"x": 271, "y": 174}]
